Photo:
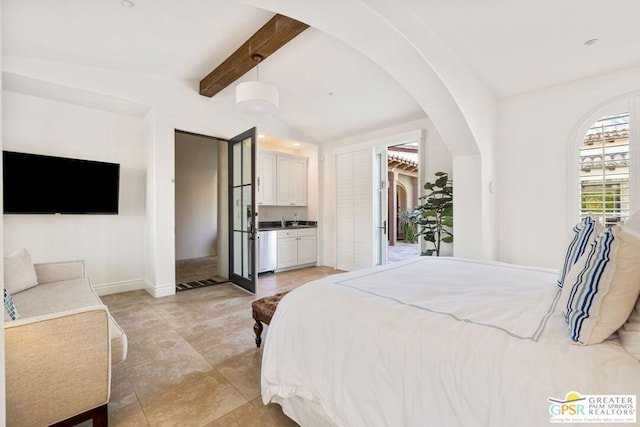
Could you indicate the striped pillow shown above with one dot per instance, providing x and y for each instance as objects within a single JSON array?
[
  {"x": 582, "y": 235},
  {"x": 9, "y": 307},
  {"x": 601, "y": 289}
]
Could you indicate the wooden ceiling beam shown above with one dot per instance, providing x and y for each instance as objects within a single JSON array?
[{"x": 272, "y": 36}]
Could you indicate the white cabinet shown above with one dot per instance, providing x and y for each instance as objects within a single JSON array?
[
  {"x": 307, "y": 246},
  {"x": 281, "y": 179},
  {"x": 266, "y": 178},
  {"x": 292, "y": 181},
  {"x": 296, "y": 248},
  {"x": 287, "y": 248}
]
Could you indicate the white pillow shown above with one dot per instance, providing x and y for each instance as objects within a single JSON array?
[
  {"x": 602, "y": 288},
  {"x": 582, "y": 234},
  {"x": 19, "y": 272},
  {"x": 633, "y": 222},
  {"x": 630, "y": 333}
]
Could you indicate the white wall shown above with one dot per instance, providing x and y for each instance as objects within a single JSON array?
[
  {"x": 407, "y": 183},
  {"x": 3, "y": 408},
  {"x": 196, "y": 196},
  {"x": 111, "y": 245},
  {"x": 535, "y": 142},
  {"x": 435, "y": 157}
]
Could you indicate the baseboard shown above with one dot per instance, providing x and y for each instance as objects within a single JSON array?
[
  {"x": 296, "y": 267},
  {"x": 119, "y": 287},
  {"x": 160, "y": 291},
  {"x": 135, "y": 285}
]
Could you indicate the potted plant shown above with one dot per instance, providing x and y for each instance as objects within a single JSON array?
[
  {"x": 435, "y": 214},
  {"x": 407, "y": 226}
]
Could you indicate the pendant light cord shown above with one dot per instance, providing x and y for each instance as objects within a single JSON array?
[{"x": 257, "y": 58}]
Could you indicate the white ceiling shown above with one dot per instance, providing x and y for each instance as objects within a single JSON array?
[
  {"x": 327, "y": 89},
  {"x": 517, "y": 46}
]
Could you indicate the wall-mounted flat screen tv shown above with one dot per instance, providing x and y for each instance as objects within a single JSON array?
[{"x": 37, "y": 184}]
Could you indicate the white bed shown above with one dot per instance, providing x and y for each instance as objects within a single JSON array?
[{"x": 433, "y": 342}]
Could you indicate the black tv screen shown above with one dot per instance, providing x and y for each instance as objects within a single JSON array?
[{"x": 37, "y": 184}]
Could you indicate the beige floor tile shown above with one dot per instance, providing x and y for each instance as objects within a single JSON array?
[
  {"x": 189, "y": 313},
  {"x": 122, "y": 394},
  {"x": 160, "y": 358},
  {"x": 158, "y": 343},
  {"x": 126, "y": 298},
  {"x": 195, "y": 400},
  {"x": 243, "y": 371},
  {"x": 223, "y": 290},
  {"x": 251, "y": 415},
  {"x": 273, "y": 413},
  {"x": 135, "y": 316},
  {"x": 217, "y": 343},
  {"x": 128, "y": 416}
]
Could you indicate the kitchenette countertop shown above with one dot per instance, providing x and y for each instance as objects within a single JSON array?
[{"x": 277, "y": 225}]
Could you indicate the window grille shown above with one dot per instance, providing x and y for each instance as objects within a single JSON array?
[{"x": 604, "y": 170}]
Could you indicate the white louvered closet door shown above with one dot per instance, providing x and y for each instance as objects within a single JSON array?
[{"x": 355, "y": 210}]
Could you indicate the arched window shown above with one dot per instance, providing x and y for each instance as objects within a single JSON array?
[{"x": 604, "y": 169}]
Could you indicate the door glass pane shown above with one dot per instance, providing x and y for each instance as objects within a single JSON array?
[
  {"x": 237, "y": 211},
  {"x": 378, "y": 208},
  {"x": 246, "y": 161},
  {"x": 237, "y": 252},
  {"x": 237, "y": 164},
  {"x": 246, "y": 207},
  {"x": 246, "y": 257}
]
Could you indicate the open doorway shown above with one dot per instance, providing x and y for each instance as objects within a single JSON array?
[
  {"x": 403, "y": 190},
  {"x": 196, "y": 209}
]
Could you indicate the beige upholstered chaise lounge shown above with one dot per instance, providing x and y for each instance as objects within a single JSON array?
[{"x": 59, "y": 353}]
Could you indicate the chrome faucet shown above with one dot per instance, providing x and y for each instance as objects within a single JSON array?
[
  {"x": 283, "y": 223},
  {"x": 295, "y": 220}
]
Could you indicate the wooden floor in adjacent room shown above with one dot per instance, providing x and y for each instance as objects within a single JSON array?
[{"x": 189, "y": 270}]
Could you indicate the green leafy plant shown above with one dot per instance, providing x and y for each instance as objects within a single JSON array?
[
  {"x": 435, "y": 214},
  {"x": 408, "y": 226}
]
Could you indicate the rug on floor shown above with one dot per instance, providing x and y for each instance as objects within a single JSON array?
[{"x": 198, "y": 284}]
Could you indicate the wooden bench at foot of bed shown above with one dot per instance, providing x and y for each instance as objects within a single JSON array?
[{"x": 263, "y": 310}]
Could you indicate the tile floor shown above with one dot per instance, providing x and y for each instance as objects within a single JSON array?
[
  {"x": 401, "y": 251},
  {"x": 192, "y": 358}
]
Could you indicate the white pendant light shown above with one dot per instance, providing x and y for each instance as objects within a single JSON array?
[{"x": 257, "y": 97}]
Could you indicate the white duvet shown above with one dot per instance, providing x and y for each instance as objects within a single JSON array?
[{"x": 435, "y": 342}]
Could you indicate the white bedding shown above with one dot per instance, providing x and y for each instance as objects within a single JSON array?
[{"x": 434, "y": 341}]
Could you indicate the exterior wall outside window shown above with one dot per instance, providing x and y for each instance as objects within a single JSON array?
[{"x": 604, "y": 169}]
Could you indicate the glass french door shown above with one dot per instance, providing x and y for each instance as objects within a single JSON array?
[
  {"x": 380, "y": 206},
  {"x": 242, "y": 210}
]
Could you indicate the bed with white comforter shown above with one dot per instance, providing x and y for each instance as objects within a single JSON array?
[{"x": 433, "y": 342}]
